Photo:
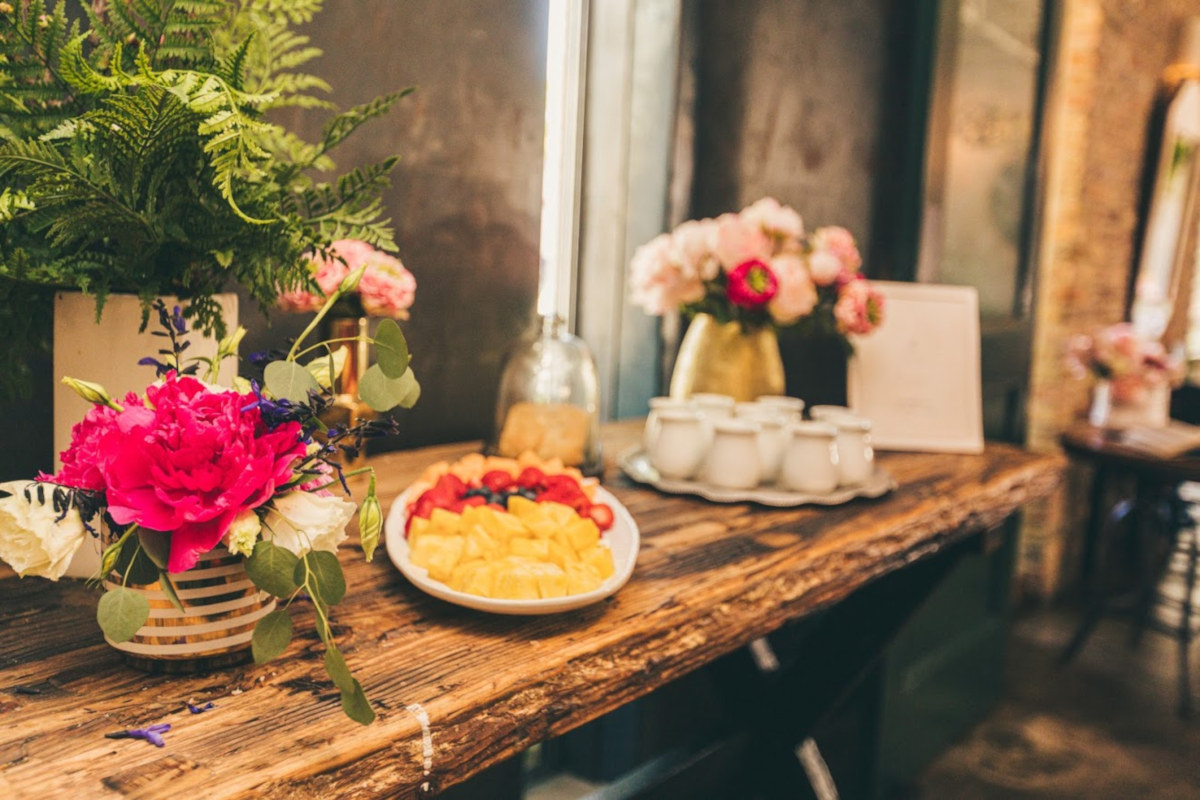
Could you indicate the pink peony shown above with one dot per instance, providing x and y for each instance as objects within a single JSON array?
[
  {"x": 81, "y": 460},
  {"x": 387, "y": 288},
  {"x": 192, "y": 459},
  {"x": 752, "y": 284},
  {"x": 824, "y": 267},
  {"x": 840, "y": 243},
  {"x": 657, "y": 283},
  {"x": 739, "y": 241},
  {"x": 797, "y": 296},
  {"x": 777, "y": 220},
  {"x": 859, "y": 308}
]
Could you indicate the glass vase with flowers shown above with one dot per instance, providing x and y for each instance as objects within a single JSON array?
[{"x": 1133, "y": 377}]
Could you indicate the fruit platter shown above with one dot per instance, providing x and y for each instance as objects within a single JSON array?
[{"x": 511, "y": 536}]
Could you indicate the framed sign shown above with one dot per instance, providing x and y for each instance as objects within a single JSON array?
[{"x": 917, "y": 377}]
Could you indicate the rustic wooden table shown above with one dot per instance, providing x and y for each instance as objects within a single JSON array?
[{"x": 710, "y": 579}]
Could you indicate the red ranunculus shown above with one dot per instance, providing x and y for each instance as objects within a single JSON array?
[
  {"x": 752, "y": 284},
  {"x": 191, "y": 460}
]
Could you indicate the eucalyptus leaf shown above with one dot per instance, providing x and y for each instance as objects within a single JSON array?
[
  {"x": 324, "y": 576},
  {"x": 335, "y": 665},
  {"x": 357, "y": 706},
  {"x": 168, "y": 587},
  {"x": 391, "y": 350},
  {"x": 383, "y": 393},
  {"x": 287, "y": 380},
  {"x": 121, "y": 613},
  {"x": 271, "y": 636},
  {"x": 271, "y": 568},
  {"x": 134, "y": 566},
  {"x": 327, "y": 368},
  {"x": 156, "y": 546}
]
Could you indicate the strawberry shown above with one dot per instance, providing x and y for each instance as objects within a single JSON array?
[
  {"x": 531, "y": 478},
  {"x": 497, "y": 480},
  {"x": 602, "y": 515}
]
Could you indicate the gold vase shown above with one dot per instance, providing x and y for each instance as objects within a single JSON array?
[{"x": 724, "y": 359}]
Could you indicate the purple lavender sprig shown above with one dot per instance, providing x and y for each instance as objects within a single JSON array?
[{"x": 152, "y": 734}]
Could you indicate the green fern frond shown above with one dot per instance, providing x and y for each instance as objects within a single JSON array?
[{"x": 344, "y": 124}]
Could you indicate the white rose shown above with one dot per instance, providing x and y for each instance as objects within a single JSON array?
[
  {"x": 796, "y": 295},
  {"x": 33, "y": 541},
  {"x": 243, "y": 533},
  {"x": 303, "y": 521}
]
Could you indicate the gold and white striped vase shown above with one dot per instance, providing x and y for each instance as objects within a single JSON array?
[{"x": 221, "y": 607}]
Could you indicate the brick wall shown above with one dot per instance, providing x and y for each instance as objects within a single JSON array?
[{"x": 1110, "y": 54}]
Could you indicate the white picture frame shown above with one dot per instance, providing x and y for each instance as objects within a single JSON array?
[{"x": 917, "y": 377}]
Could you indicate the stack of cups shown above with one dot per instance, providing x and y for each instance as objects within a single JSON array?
[{"x": 712, "y": 439}]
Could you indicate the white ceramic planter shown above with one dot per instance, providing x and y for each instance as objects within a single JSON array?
[{"x": 107, "y": 352}]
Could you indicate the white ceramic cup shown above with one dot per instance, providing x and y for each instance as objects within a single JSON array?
[
  {"x": 772, "y": 422},
  {"x": 657, "y": 406},
  {"x": 713, "y": 406},
  {"x": 793, "y": 406},
  {"x": 856, "y": 457},
  {"x": 679, "y": 444},
  {"x": 732, "y": 460},
  {"x": 827, "y": 413},
  {"x": 810, "y": 461}
]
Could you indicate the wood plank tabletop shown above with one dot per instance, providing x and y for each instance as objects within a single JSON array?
[{"x": 458, "y": 690}]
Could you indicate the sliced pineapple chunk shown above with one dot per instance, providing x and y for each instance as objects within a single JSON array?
[{"x": 437, "y": 553}]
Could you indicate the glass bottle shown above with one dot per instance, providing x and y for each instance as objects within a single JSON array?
[{"x": 549, "y": 400}]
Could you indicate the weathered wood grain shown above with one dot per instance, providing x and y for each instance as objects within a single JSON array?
[{"x": 710, "y": 578}]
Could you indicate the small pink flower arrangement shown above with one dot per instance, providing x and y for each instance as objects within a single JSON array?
[
  {"x": 1131, "y": 365},
  {"x": 758, "y": 267},
  {"x": 387, "y": 289}
]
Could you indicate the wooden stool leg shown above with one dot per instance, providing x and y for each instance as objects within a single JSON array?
[
  {"x": 1185, "y": 627},
  {"x": 1094, "y": 578}
]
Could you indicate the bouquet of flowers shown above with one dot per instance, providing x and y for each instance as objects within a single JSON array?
[
  {"x": 166, "y": 476},
  {"x": 387, "y": 289},
  {"x": 1117, "y": 354},
  {"x": 758, "y": 267}
]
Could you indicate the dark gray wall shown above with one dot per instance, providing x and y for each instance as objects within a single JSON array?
[
  {"x": 466, "y": 197},
  {"x": 789, "y": 105}
]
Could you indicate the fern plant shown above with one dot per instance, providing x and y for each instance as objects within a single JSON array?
[{"x": 137, "y": 154}]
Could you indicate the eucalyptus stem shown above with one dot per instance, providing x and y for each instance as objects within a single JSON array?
[{"x": 348, "y": 285}]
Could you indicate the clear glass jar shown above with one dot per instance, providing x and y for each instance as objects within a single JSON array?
[{"x": 549, "y": 400}]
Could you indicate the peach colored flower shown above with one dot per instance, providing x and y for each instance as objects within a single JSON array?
[
  {"x": 839, "y": 242},
  {"x": 777, "y": 220},
  {"x": 387, "y": 289},
  {"x": 739, "y": 241},
  {"x": 693, "y": 245},
  {"x": 657, "y": 283},
  {"x": 797, "y": 295},
  {"x": 824, "y": 267},
  {"x": 859, "y": 308}
]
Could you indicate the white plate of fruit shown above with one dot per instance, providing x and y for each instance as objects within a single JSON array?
[{"x": 511, "y": 536}]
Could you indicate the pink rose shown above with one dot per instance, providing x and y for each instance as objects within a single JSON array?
[
  {"x": 824, "y": 267},
  {"x": 739, "y": 241},
  {"x": 797, "y": 295},
  {"x": 859, "y": 308},
  {"x": 777, "y": 220},
  {"x": 192, "y": 459},
  {"x": 657, "y": 284},
  {"x": 839, "y": 242},
  {"x": 752, "y": 284},
  {"x": 387, "y": 288},
  {"x": 81, "y": 468}
]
